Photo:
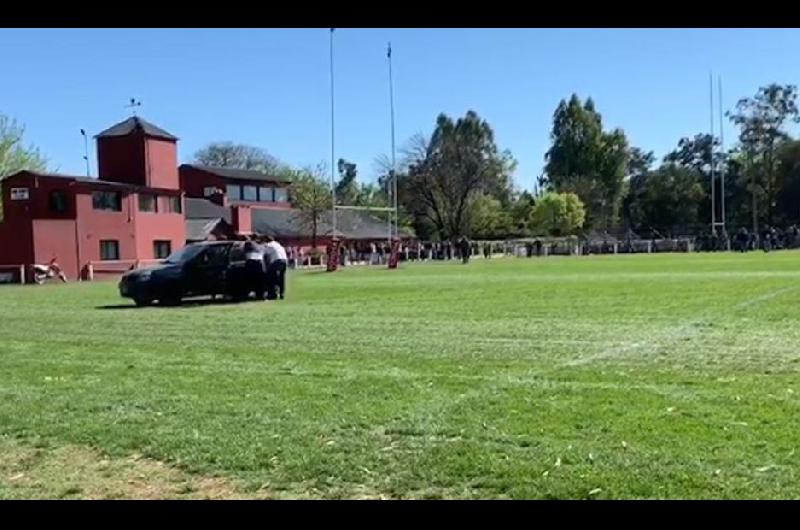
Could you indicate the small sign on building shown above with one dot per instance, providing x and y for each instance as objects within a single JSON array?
[{"x": 20, "y": 194}]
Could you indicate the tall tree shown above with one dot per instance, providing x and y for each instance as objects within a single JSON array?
[
  {"x": 521, "y": 212},
  {"x": 14, "y": 155},
  {"x": 667, "y": 199},
  {"x": 639, "y": 164},
  {"x": 446, "y": 173},
  {"x": 696, "y": 153},
  {"x": 311, "y": 196},
  {"x": 762, "y": 120},
  {"x": 347, "y": 187},
  {"x": 237, "y": 156},
  {"x": 788, "y": 179},
  {"x": 585, "y": 160}
]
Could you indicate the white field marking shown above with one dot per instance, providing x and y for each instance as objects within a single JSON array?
[
  {"x": 764, "y": 297},
  {"x": 682, "y": 331}
]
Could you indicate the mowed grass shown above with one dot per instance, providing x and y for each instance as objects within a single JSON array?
[{"x": 645, "y": 376}]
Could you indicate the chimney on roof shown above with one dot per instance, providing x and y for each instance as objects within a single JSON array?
[{"x": 241, "y": 219}]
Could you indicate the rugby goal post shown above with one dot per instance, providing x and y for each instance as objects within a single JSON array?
[{"x": 392, "y": 231}]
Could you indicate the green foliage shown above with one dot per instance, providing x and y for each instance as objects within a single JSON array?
[
  {"x": 488, "y": 218},
  {"x": 311, "y": 196},
  {"x": 587, "y": 161},
  {"x": 521, "y": 213},
  {"x": 558, "y": 214},
  {"x": 666, "y": 198},
  {"x": 445, "y": 174},
  {"x": 761, "y": 121},
  {"x": 347, "y": 189}
]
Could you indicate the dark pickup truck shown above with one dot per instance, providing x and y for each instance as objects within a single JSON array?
[{"x": 199, "y": 269}]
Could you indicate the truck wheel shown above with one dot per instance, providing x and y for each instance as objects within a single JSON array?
[{"x": 142, "y": 302}]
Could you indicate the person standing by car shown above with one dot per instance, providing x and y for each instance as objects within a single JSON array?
[
  {"x": 275, "y": 256},
  {"x": 254, "y": 268}
]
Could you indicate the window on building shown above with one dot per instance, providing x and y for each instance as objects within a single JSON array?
[
  {"x": 234, "y": 192},
  {"x": 162, "y": 249},
  {"x": 249, "y": 193},
  {"x": 175, "y": 204},
  {"x": 265, "y": 194},
  {"x": 107, "y": 200},
  {"x": 209, "y": 191},
  {"x": 109, "y": 250},
  {"x": 148, "y": 202},
  {"x": 58, "y": 201},
  {"x": 281, "y": 195}
]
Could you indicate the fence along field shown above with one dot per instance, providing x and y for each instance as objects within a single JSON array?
[{"x": 637, "y": 376}]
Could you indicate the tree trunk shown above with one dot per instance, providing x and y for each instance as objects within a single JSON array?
[
  {"x": 755, "y": 210},
  {"x": 314, "y": 234}
]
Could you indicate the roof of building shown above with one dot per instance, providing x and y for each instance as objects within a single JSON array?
[
  {"x": 200, "y": 229},
  {"x": 240, "y": 174},
  {"x": 136, "y": 124},
  {"x": 91, "y": 180},
  {"x": 205, "y": 209}
]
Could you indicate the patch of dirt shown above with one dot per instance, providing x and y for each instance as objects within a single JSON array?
[{"x": 76, "y": 472}]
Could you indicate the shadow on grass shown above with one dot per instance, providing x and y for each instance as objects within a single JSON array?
[{"x": 193, "y": 302}]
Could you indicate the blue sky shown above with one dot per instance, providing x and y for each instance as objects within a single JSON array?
[{"x": 270, "y": 87}]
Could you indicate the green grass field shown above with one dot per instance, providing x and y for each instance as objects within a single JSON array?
[{"x": 663, "y": 376}]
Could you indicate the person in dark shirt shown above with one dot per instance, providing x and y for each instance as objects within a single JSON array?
[
  {"x": 254, "y": 268},
  {"x": 465, "y": 249}
]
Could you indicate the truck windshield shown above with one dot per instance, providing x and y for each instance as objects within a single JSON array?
[{"x": 183, "y": 255}]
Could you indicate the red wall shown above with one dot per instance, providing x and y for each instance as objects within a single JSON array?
[
  {"x": 96, "y": 225},
  {"x": 162, "y": 164},
  {"x": 194, "y": 181},
  {"x": 122, "y": 159},
  {"x": 16, "y": 233},
  {"x": 152, "y": 227},
  {"x": 55, "y": 238},
  {"x": 138, "y": 159},
  {"x": 241, "y": 219}
]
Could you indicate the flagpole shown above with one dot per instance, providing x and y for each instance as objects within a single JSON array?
[
  {"x": 722, "y": 150},
  {"x": 394, "y": 166},
  {"x": 711, "y": 148},
  {"x": 333, "y": 157}
]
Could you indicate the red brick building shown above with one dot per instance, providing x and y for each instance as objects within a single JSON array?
[
  {"x": 143, "y": 206},
  {"x": 133, "y": 211}
]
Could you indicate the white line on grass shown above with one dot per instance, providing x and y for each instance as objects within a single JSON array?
[
  {"x": 764, "y": 297},
  {"x": 684, "y": 331}
]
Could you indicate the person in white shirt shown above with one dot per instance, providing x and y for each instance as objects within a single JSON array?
[
  {"x": 275, "y": 256},
  {"x": 254, "y": 268}
]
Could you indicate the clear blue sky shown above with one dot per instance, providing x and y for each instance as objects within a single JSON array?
[{"x": 271, "y": 87}]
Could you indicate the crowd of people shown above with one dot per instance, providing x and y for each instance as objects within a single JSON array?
[
  {"x": 372, "y": 253},
  {"x": 770, "y": 238},
  {"x": 379, "y": 252}
]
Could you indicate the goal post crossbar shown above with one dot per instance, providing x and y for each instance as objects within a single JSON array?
[{"x": 367, "y": 208}]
